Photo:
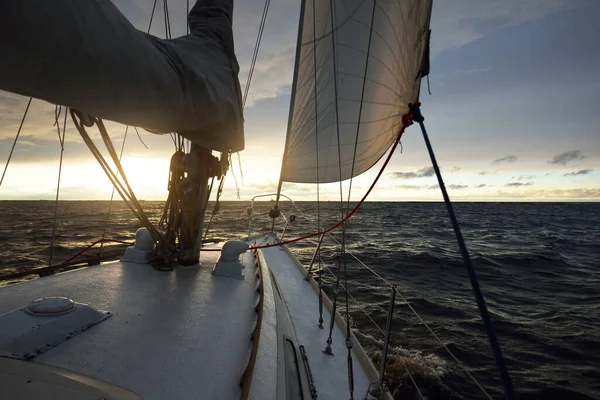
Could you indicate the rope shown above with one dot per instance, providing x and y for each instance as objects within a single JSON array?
[
  {"x": 123, "y": 189},
  {"x": 62, "y": 151},
  {"x": 87, "y": 248},
  {"x": 319, "y": 272},
  {"x": 504, "y": 376},
  {"x": 139, "y": 137},
  {"x": 255, "y": 54},
  {"x": 342, "y": 265},
  {"x": 15, "y": 142},
  {"x": 112, "y": 195},
  {"x": 152, "y": 16},
  {"x": 215, "y": 210}
]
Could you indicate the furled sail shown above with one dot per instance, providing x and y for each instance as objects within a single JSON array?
[
  {"x": 88, "y": 56},
  {"x": 356, "y": 95}
]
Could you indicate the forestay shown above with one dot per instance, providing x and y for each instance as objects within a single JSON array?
[
  {"x": 88, "y": 56},
  {"x": 338, "y": 93}
]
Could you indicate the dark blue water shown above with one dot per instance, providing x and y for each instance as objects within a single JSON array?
[{"x": 538, "y": 265}]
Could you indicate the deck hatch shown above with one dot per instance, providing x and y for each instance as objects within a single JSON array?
[{"x": 43, "y": 324}]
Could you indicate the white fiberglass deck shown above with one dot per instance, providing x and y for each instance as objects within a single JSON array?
[
  {"x": 330, "y": 373},
  {"x": 183, "y": 334}
]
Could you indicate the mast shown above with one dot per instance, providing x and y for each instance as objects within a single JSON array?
[{"x": 193, "y": 204}]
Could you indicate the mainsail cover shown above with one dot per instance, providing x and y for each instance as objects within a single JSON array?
[
  {"x": 88, "y": 56},
  {"x": 342, "y": 94}
]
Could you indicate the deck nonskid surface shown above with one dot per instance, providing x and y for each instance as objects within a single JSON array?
[
  {"x": 173, "y": 335},
  {"x": 330, "y": 373}
]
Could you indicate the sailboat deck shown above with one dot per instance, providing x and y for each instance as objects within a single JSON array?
[
  {"x": 330, "y": 373},
  {"x": 173, "y": 335}
]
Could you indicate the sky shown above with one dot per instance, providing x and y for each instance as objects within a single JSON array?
[{"x": 513, "y": 115}]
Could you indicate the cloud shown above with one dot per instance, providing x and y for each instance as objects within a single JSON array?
[
  {"x": 481, "y": 185},
  {"x": 518, "y": 184},
  {"x": 506, "y": 159},
  {"x": 552, "y": 194},
  {"x": 455, "y": 169},
  {"x": 457, "y": 187},
  {"x": 525, "y": 177},
  {"x": 408, "y": 187},
  {"x": 580, "y": 172},
  {"x": 422, "y": 173},
  {"x": 566, "y": 157}
]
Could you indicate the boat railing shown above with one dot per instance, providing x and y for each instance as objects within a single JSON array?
[
  {"x": 318, "y": 266},
  {"x": 289, "y": 219}
]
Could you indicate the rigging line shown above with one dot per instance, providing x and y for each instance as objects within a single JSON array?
[
  {"x": 187, "y": 16},
  {"x": 62, "y": 151},
  {"x": 15, "y": 142},
  {"x": 111, "y": 150},
  {"x": 256, "y": 48},
  {"x": 57, "y": 112},
  {"x": 319, "y": 272},
  {"x": 123, "y": 189},
  {"x": 167, "y": 20},
  {"x": 216, "y": 207},
  {"x": 240, "y": 167},
  {"x": 139, "y": 137},
  {"x": 458, "y": 362},
  {"x": 343, "y": 264},
  {"x": 112, "y": 195},
  {"x": 504, "y": 375},
  {"x": 358, "y": 303},
  {"x": 237, "y": 186},
  {"x": 362, "y": 97},
  {"x": 152, "y": 16},
  {"x": 464, "y": 368}
]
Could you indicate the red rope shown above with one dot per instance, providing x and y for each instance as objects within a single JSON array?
[
  {"x": 76, "y": 256},
  {"x": 406, "y": 121}
]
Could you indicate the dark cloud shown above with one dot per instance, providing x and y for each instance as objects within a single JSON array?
[
  {"x": 580, "y": 172},
  {"x": 436, "y": 186},
  {"x": 457, "y": 187},
  {"x": 518, "y": 184},
  {"x": 455, "y": 169},
  {"x": 566, "y": 157},
  {"x": 506, "y": 159},
  {"x": 423, "y": 172},
  {"x": 481, "y": 185}
]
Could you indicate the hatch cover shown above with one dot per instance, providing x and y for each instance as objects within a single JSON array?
[{"x": 43, "y": 324}]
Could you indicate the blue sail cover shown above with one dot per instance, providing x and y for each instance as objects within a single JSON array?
[{"x": 86, "y": 55}]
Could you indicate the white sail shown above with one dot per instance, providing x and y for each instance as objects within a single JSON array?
[
  {"x": 332, "y": 103},
  {"x": 88, "y": 56}
]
